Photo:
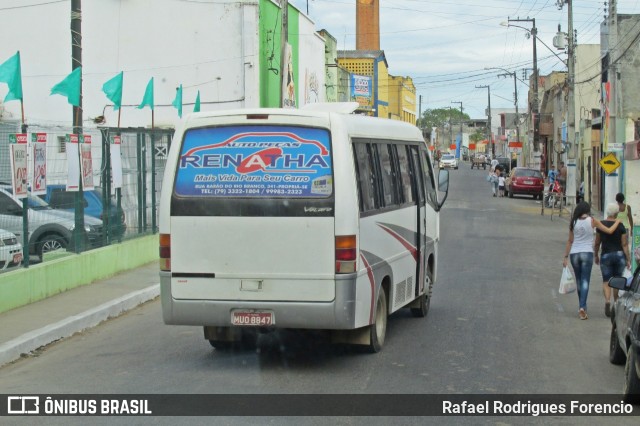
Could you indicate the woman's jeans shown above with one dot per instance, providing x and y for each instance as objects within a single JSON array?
[{"x": 582, "y": 264}]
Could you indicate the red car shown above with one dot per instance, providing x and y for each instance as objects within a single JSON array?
[{"x": 523, "y": 180}]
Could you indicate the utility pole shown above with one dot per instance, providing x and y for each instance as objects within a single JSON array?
[
  {"x": 515, "y": 100},
  {"x": 458, "y": 147},
  {"x": 612, "y": 183},
  {"x": 534, "y": 106},
  {"x": 76, "y": 61},
  {"x": 489, "y": 138},
  {"x": 570, "y": 190},
  {"x": 76, "y": 57},
  {"x": 284, "y": 38},
  {"x": 450, "y": 129}
]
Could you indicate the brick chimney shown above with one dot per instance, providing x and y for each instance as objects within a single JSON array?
[{"x": 367, "y": 25}]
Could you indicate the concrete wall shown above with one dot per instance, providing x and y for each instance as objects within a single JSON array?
[
  {"x": 311, "y": 63},
  {"x": 200, "y": 45},
  {"x": 23, "y": 286}
]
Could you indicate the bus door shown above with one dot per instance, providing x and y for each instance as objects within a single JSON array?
[{"x": 420, "y": 243}]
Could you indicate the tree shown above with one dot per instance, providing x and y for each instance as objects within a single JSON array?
[
  {"x": 441, "y": 117},
  {"x": 478, "y": 136}
]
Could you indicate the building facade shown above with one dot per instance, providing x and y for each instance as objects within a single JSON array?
[
  {"x": 402, "y": 99},
  {"x": 371, "y": 64}
]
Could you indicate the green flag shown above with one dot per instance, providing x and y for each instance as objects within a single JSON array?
[
  {"x": 10, "y": 73},
  {"x": 70, "y": 87},
  {"x": 177, "y": 102},
  {"x": 147, "y": 100},
  {"x": 196, "y": 107},
  {"x": 113, "y": 90}
]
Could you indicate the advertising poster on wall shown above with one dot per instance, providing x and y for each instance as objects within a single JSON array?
[
  {"x": 73, "y": 163},
  {"x": 116, "y": 162},
  {"x": 86, "y": 163},
  {"x": 18, "y": 155},
  {"x": 39, "y": 179},
  {"x": 361, "y": 90},
  {"x": 288, "y": 82}
]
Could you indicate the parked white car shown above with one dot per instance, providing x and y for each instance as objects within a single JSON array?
[
  {"x": 10, "y": 250},
  {"x": 448, "y": 161}
]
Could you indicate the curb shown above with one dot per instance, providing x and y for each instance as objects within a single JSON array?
[{"x": 28, "y": 342}]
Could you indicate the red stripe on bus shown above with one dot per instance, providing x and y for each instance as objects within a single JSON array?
[
  {"x": 373, "y": 286},
  {"x": 410, "y": 247}
]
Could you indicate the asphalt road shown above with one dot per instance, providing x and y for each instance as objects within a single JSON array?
[{"x": 496, "y": 326}]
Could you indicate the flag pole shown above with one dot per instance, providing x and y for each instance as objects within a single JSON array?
[{"x": 22, "y": 114}]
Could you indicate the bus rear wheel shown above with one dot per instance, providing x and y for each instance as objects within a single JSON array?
[
  {"x": 422, "y": 309},
  {"x": 378, "y": 330}
]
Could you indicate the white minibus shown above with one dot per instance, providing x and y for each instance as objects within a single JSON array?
[{"x": 305, "y": 219}]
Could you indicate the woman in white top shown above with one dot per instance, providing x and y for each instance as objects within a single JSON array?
[{"x": 580, "y": 248}]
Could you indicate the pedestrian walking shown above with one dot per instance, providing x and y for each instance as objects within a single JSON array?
[
  {"x": 494, "y": 163},
  {"x": 580, "y": 248},
  {"x": 501, "y": 182},
  {"x": 624, "y": 214},
  {"x": 615, "y": 254},
  {"x": 493, "y": 180}
]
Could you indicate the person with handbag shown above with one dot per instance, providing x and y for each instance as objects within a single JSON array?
[
  {"x": 493, "y": 180},
  {"x": 580, "y": 247},
  {"x": 615, "y": 254}
]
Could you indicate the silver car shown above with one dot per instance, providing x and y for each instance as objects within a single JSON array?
[{"x": 49, "y": 229}]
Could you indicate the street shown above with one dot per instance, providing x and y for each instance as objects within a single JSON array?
[{"x": 496, "y": 326}]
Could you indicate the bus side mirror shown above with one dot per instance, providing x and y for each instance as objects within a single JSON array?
[
  {"x": 443, "y": 185},
  {"x": 443, "y": 180}
]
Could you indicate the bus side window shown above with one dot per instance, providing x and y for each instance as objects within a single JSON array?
[
  {"x": 405, "y": 173},
  {"x": 389, "y": 195},
  {"x": 365, "y": 176},
  {"x": 417, "y": 174},
  {"x": 430, "y": 183}
]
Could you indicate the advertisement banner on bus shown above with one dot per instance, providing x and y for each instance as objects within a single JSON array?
[{"x": 255, "y": 161}]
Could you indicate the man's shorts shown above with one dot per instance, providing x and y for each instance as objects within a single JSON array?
[{"x": 612, "y": 264}]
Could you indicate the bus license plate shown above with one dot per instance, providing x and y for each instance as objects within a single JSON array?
[
  {"x": 252, "y": 318},
  {"x": 17, "y": 258}
]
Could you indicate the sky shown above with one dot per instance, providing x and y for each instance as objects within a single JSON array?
[{"x": 445, "y": 46}]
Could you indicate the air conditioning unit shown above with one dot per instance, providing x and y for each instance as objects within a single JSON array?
[{"x": 632, "y": 150}]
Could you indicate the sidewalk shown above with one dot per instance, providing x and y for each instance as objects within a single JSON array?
[{"x": 29, "y": 327}]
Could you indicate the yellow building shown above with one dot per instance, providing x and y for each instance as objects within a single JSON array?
[
  {"x": 402, "y": 99},
  {"x": 369, "y": 83}
]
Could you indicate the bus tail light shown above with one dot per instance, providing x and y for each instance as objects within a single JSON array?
[
  {"x": 165, "y": 252},
  {"x": 346, "y": 254}
]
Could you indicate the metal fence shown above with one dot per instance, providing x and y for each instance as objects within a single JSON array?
[{"x": 105, "y": 215}]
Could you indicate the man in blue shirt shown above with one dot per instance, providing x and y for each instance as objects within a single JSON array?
[{"x": 553, "y": 174}]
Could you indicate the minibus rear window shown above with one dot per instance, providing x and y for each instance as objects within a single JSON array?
[{"x": 255, "y": 162}]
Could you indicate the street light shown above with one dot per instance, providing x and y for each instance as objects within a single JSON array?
[
  {"x": 508, "y": 24},
  {"x": 534, "y": 108}
]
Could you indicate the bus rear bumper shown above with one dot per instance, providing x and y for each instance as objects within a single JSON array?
[{"x": 338, "y": 314}]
